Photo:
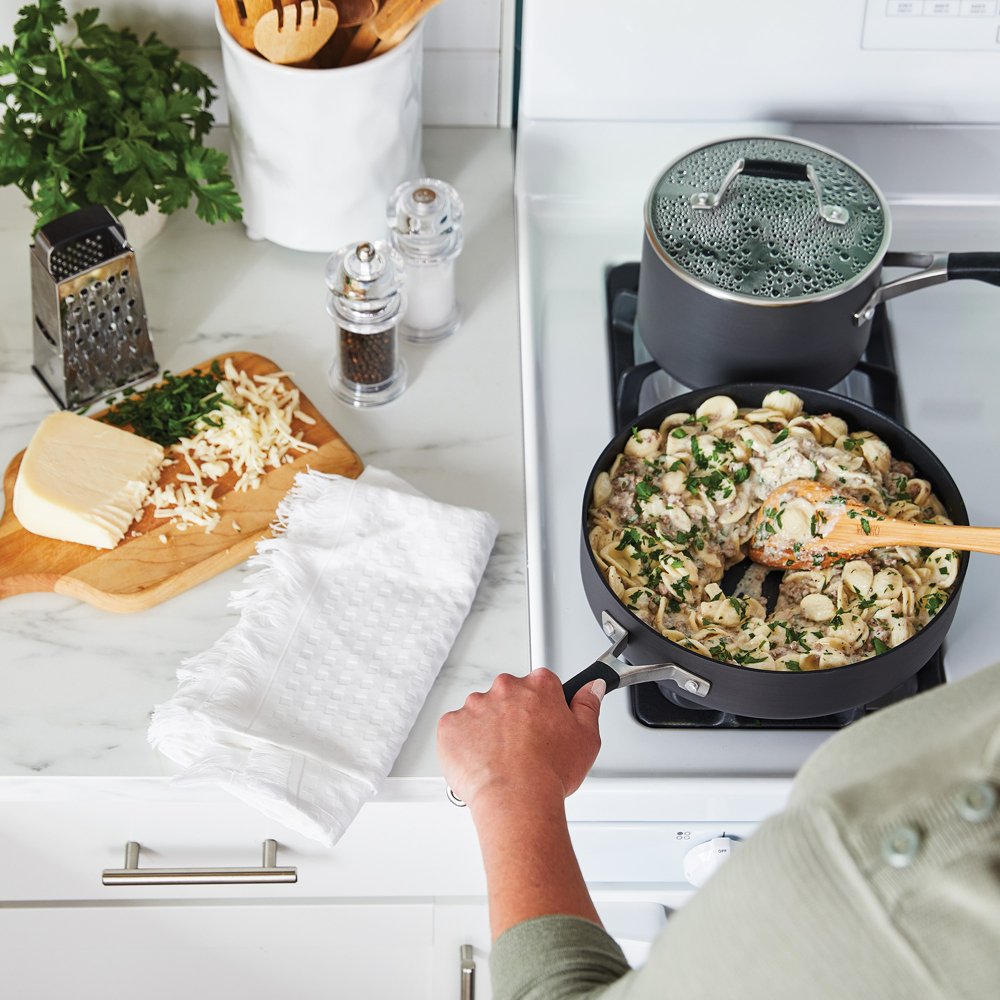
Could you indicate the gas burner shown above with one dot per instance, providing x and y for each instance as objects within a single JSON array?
[{"x": 638, "y": 383}]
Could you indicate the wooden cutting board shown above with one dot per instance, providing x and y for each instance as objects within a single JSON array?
[{"x": 141, "y": 570}]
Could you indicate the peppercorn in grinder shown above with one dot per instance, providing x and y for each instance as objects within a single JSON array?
[
  {"x": 89, "y": 322},
  {"x": 366, "y": 301}
]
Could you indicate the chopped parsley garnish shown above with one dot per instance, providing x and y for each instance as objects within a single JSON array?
[
  {"x": 781, "y": 436},
  {"x": 630, "y": 536},
  {"x": 879, "y": 646},
  {"x": 698, "y": 455},
  {"x": 932, "y": 602},
  {"x": 644, "y": 489}
]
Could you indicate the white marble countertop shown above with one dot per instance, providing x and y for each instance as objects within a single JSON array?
[{"x": 79, "y": 684}]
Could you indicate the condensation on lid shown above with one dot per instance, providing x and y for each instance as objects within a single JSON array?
[{"x": 766, "y": 238}]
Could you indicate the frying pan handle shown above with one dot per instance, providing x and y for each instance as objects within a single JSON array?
[
  {"x": 598, "y": 670},
  {"x": 978, "y": 266}
]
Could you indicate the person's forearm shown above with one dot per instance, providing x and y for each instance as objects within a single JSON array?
[{"x": 531, "y": 869}]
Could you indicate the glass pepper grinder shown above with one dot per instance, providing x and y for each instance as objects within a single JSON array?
[
  {"x": 366, "y": 301},
  {"x": 425, "y": 226}
]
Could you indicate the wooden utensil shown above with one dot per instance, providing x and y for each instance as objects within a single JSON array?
[
  {"x": 256, "y": 9},
  {"x": 394, "y": 21},
  {"x": 330, "y": 55},
  {"x": 234, "y": 17},
  {"x": 840, "y": 527},
  {"x": 141, "y": 570},
  {"x": 294, "y": 33},
  {"x": 354, "y": 12}
]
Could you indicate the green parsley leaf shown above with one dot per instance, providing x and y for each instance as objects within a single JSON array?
[
  {"x": 93, "y": 115},
  {"x": 644, "y": 489}
]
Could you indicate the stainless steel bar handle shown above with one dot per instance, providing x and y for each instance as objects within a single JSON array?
[
  {"x": 775, "y": 170},
  {"x": 132, "y": 874},
  {"x": 468, "y": 972}
]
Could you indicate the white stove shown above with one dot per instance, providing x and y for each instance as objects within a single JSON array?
[{"x": 604, "y": 108}]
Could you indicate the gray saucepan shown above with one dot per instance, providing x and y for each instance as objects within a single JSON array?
[{"x": 762, "y": 260}]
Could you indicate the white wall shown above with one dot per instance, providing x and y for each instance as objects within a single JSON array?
[
  {"x": 788, "y": 60},
  {"x": 468, "y": 50}
]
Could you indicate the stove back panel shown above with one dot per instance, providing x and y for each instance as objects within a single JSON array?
[{"x": 809, "y": 60}]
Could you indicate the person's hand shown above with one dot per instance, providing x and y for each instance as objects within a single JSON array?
[{"x": 521, "y": 737}]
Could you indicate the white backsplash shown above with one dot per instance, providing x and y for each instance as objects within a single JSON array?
[
  {"x": 468, "y": 50},
  {"x": 791, "y": 60}
]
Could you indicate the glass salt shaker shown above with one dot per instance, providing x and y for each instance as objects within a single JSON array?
[
  {"x": 425, "y": 226},
  {"x": 366, "y": 301}
]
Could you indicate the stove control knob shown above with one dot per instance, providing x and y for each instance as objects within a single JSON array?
[{"x": 701, "y": 861}]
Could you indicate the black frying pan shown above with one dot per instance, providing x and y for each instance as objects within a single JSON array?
[{"x": 729, "y": 687}]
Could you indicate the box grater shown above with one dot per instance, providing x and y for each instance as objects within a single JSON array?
[{"x": 90, "y": 333}]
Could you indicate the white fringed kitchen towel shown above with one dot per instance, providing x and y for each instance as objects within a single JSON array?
[{"x": 301, "y": 708}]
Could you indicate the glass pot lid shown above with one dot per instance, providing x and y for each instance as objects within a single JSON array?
[{"x": 768, "y": 218}]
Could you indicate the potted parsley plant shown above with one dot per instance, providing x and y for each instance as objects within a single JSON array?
[{"x": 93, "y": 115}]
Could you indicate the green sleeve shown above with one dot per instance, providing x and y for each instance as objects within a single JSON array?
[{"x": 555, "y": 957}]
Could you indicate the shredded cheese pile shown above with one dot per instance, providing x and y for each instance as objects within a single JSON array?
[{"x": 249, "y": 433}]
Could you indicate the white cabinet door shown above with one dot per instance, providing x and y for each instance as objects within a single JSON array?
[{"x": 342, "y": 951}]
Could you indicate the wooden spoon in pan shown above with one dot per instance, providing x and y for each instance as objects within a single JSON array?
[{"x": 804, "y": 524}]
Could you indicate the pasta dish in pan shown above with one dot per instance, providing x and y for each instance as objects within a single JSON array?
[{"x": 677, "y": 507}]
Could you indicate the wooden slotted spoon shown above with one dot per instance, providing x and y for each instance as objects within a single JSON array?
[
  {"x": 840, "y": 527},
  {"x": 294, "y": 33}
]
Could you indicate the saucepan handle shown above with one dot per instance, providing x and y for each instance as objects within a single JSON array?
[
  {"x": 977, "y": 266},
  {"x": 935, "y": 269}
]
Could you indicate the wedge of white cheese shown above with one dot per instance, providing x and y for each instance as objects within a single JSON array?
[{"x": 84, "y": 481}]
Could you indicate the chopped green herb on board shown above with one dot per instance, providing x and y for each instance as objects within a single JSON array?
[{"x": 172, "y": 408}]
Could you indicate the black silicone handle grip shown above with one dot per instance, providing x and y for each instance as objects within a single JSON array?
[
  {"x": 595, "y": 671},
  {"x": 978, "y": 266},
  {"x": 776, "y": 170}
]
